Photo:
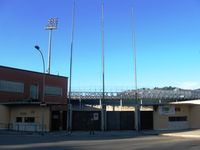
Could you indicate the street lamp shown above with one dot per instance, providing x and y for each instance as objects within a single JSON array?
[
  {"x": 52, "y": 25},
  {"x": 43, "y": 85}
]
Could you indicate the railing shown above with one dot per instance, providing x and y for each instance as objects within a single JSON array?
[
  {"x": 24, "y": 127},
  {"x": 95, "y": 95},
  {"x": 142, "y": 94}
]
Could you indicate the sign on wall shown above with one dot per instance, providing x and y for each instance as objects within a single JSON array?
[
  {"x": 95, "y": 116},
  {"x": 167, "y": 110}
]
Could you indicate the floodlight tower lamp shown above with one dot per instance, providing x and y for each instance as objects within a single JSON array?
[{"x": 52, "y": 25}]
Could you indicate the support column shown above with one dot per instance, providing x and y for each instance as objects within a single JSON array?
[
  {"x": 137, "y": 118},
  {"x": 69, "y": 117},
  {"x": 61, "y": 120},
  {"x": 121, "y": 104},
  {"x": 80, "y": 104},
  {"x": 103, "y": 118},
  {"x": 100, "y": 104},
  {"x": 71, "y": 111}
]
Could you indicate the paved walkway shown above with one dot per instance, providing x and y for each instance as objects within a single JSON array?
[{"x": 185, "y": 133}]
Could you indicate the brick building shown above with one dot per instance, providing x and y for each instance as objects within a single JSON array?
[{"x": 22, "y": 106}]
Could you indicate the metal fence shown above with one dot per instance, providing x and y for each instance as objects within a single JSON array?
[
  {"x": 24, "y": 127},
  {"x": 158, "y": 94}
]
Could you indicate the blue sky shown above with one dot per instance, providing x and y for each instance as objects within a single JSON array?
[{"x": 167, "y": 41}]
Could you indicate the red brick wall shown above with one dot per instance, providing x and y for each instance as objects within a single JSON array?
[{"x": 28, "y": 78}]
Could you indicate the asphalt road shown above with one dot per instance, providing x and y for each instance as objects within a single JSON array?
[{"x": 85, "y": 142}]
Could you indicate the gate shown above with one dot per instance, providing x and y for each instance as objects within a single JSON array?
[
  {"x": 55, "y": 120},
  {"x": 120, "y": 120},
  {"x": 146, "y": 119},
  {"x": 85, "y": 120},
  {"x": 113, "y": 120},
  {"x": 127, "y": 120}
]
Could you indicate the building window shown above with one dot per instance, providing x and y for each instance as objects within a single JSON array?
[
  {"x": 11, "y": 86},
  {"x": 54, "y": 91},
  {"x": 18, "y": 119},
  {"x": 179, "y": 118},
  {"x": 34, "y": 91},
  {"x": 177, "y": 109},
  {"x": 29, "y": 119}
]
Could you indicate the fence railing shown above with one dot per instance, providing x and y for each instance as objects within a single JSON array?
[
  {"x": 29, "y": 127},
  {"x": 141, "y": 94}
]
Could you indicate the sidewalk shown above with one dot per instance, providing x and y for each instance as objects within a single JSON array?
[
  {"x": 82, "y": 134},
  {"x": 108, "y": 134},
  {"x": 184, "y": 134}
]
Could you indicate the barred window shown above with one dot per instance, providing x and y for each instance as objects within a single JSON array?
[
  {"x": 11, "y": 86},
  {"x": 179, "y": 118},
  {"x": 52, "y": 90},
  {"x": 29, "y": 119},
  {"x": 18, "y": 119}
]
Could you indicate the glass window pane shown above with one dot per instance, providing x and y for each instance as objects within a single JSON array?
[
  {"x": 11, "y": 86},
  {"x": 51, "y": 90},
  {"x": 34, "y": 91}
]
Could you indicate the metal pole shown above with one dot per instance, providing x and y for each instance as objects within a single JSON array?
[
  {"x": 103, "y": 79},
  {"x": 49, "y": 51},
  {"x": 43, "y": 86},
  {"x": 70, "y": 78},
  {"x": 103, "y": 92},
  {"x": 43, "y": 91},
  {"x": 137, "y": 107}
]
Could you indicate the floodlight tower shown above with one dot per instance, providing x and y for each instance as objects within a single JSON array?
[
  {"x": 52, "y": 25},
  {"x": 102, "y": 35},
  {"x": 69, "y": 109},
  {"x": 137, "y": 107}
]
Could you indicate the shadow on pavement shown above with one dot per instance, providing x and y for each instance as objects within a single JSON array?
[{"x": 13, "y": 138}]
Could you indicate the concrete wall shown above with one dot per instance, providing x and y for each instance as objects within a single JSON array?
[
  {"x": 4, "y": 117},
  {"x": 30, "y": 111},
  {"x": 161, "y": 121},
  {"x": 194, "y": 116}
]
